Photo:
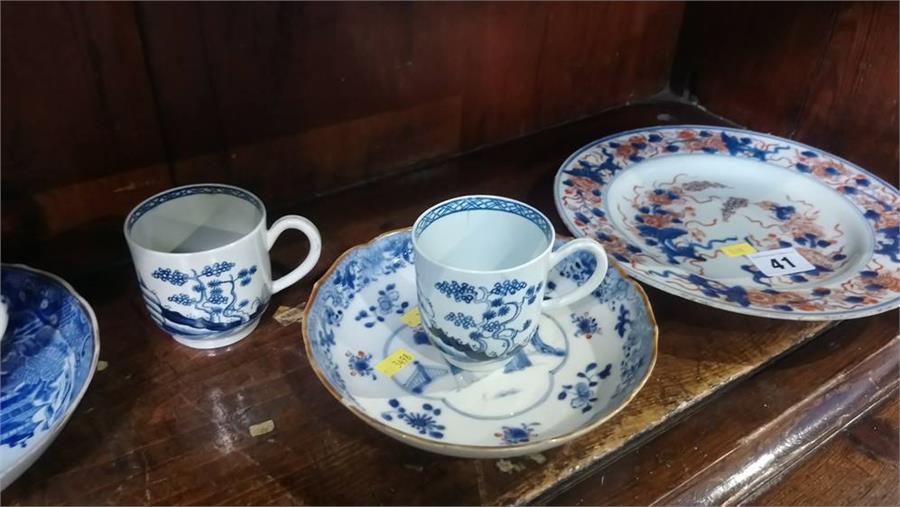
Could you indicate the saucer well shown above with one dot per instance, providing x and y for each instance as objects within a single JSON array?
[
  {"x": 672, "y": 204},
  {"x": 47, "y": 360},
  {"x": 585, "y": 363}
]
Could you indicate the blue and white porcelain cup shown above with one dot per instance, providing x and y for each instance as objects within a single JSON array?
[
  {"x": 481, "y": 270},
  {"x": 201, "y": 253}
]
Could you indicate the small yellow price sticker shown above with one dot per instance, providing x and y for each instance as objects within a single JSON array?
[
  {"x": 412, "y": 318},
  {"x": 262, "y": 428},
  {"x": 738, "y": 249},
  {"x": 395, "y": 362}
]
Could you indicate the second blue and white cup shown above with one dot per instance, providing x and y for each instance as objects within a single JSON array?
[
  {"x": 481, "y": 269},
  {"x": 201, "y": 253}
]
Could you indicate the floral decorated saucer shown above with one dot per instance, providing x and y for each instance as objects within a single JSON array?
[
  {"x": 585, "y": 363},
  {"x": 681, "y": 207},
  {"x": 47, "y": 358}
]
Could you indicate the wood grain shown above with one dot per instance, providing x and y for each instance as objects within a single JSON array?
[
  {"x": 164, "y": 424},
  {"x": 286, "y": 86},
  {"x": 859, "y": 467},
  {"x": 293, "y": 99},
  {"x": 765, "y": 455},
  {"x": 77, "y": 103},
  {"x": 852, "y": 106},
  {"x": 80, "y": 134},
  {"x": 824, "y": 74},
  {"x": 713, "y": 432}
]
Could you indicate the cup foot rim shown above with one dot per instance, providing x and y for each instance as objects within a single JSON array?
[
  {"x": 219, "y": 341},
  {"x": 478, "y": 366}
]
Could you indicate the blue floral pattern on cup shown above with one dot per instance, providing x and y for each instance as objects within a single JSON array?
[
  {"x": 489, "y": 325},
  {"x": 211, "y": 302},
  {"x": 201, "y": 257}
]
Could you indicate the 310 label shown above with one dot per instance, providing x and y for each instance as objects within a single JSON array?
[
  {"x": 784, "y": 261},
  {"x": 395, "y": 362}
]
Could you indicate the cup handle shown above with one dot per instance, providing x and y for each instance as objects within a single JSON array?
[
  {"x": 315, "y": 248},
  {"x": 594, "y": 281}
]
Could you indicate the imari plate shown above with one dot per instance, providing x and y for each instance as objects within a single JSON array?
[
  {"x": 47, "y": 358},
  {"x": 665, "y": 201},
  {"x": 583, "y": 365}
]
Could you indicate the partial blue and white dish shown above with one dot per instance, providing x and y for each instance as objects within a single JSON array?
[
  {"x": 584, "y": 364},
  {"x": 47, "y": 359},
  {"x": 664, "y": 201}
]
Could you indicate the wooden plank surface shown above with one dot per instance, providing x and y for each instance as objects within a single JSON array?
[
  {"x": 859, "y": 467},
  {"x": 825, "y": 74},
  {"x": 106, "y": 103},
  {"x": 699, "y": 446},
  {"x": 80, "y": 135},
  {"x": 164, "y": 424},
  {"x": 77, "y": 103},
  {"x": 268, "y": 95},
  {"x": 765, "y": 455}
]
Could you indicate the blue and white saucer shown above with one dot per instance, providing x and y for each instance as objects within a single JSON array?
[
  {"x": 586, "y": 362},
  {"x": 47, "y": 358}
]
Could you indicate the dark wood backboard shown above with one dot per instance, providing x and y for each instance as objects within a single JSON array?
[{"x": 105, "y": 104}]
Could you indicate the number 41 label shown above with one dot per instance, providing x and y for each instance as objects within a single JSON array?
[{"x": 784, "y": 261}]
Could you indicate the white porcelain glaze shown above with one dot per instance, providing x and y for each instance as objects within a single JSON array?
[
  {"x": 201, "y": 253},
  {"x": 584, "y": 364},
  {"x": 481, "y": 270}
]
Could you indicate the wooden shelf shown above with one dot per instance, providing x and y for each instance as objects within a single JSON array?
[{"x": 164, "y": 424}]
